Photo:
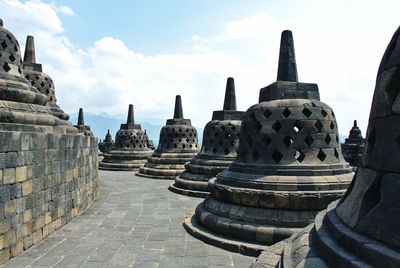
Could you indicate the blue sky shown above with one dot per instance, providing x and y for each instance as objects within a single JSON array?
[{"x": 104, "y": 55}]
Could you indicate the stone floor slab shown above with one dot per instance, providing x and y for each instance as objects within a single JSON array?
[{"x": 135, "y": 222}]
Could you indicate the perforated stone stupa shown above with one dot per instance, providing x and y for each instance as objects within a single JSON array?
[
  {"x": 48, "y": 169},
  {"x": 41, "y": 81},
  {"x": 288, "y": 167},
  {"x": 220, "y": 142},
  {"x": 130, "y": 149},
  {"x": 353, "y": 147},
  {"x": 107, "y": 143},
  {"x": 177, "y": 145},
  {"x": 362, "y": 229}
]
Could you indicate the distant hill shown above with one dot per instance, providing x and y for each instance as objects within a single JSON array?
[{"x": 99, "y": 123}]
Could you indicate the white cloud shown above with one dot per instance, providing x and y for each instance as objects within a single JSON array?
[
  {"x": 108, "y": 75},
  {"x": 66, "y": 10}
]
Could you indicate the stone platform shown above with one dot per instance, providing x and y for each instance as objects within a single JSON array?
[{"x": 135, "y": 222}]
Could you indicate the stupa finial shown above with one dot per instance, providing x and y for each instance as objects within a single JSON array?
[
  {"x": 287, "y": 68},
  {"x": 230, "y": 95},
  {"x": 81, "y": 121},
  {"x": 178, "y": 112},
  {"x": 130, "y": 119},
  {"x": 355, "y": 123},
  {"x": 30, "y": 55}
]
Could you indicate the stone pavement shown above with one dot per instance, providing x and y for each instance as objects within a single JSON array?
[{"x": 135, "y": 222}]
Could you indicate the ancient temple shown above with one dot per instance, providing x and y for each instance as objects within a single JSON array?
[
  {"x": 40, "y": 153},
  {"x": 107, "y": 143},
  {"x": 362, "y": 229},
  {"x": 288, "y": 167},
  {"x": 220, "y": 142},
  {"x": 353, "y": 147},
  {"x": 177, "y": 145},
  {"x": 130, "y": 149},
  {"x": 85, "y": 129}
]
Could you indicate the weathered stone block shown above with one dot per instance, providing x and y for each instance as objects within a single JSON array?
[
  {"x": 26, "y": 187},
  {"x": 9, "y": 176},
  {"x": 21, "y": 174}
]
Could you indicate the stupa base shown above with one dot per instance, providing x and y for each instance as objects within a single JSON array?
[
  {"x": 188, "y": 192},
  {"x": 120, "y": 166},
  {"x": 195, "y": 229}
]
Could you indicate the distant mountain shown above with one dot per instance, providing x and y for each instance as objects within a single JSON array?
[{"x": 100, "y": 123}]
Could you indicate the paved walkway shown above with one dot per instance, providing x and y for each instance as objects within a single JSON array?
[{"x": 135, "y": 222}]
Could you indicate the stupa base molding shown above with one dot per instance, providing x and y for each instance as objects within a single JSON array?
[
  {"x": 196, "y": 230},
  {"x": 162, "y": 174},
  {"x": 121, "y": 166},
  {"x": 189, "y": 192}
]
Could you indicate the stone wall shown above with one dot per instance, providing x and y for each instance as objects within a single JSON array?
[{"x": 46, "y": 179}]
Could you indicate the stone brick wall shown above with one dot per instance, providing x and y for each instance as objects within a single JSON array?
[{"x": 46, "y": 179}]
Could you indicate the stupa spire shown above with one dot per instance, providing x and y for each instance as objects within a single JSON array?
[
  {"x": 287, "y": 68},
  {"x": 30, "y": 55},
  {"x": 230, "y": 95},
  {"x": 81, "y": 121},
  {"x": 178, "y": 112},
  {"x": 130, "y": 119}
]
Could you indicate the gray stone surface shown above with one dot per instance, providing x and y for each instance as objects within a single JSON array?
[{"x": 135, "y": 222}]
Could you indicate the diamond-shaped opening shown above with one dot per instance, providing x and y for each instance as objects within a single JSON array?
[
  {"x": 319, "y": 126},
  {"x": 306, "y": 112},
  {"x": 180, "y": 130},
  {"x": 233, "y": 143},
  {"x": 258, "y": 126},
  {"x": 226, "y": 151},
  {"x": 215, "y": 150},
  {"x": 276, "y": 126},
  {"x": 286, "y": 113},
  {"x": 266, "y": 140},
  {"x": 336, "y": 153},
  {"x": 337, "y": 138},
  {"x": 255, "y": 155},
  {"x": 15, "y": 48},
  {"x": 4, "y": 44},
  {"x": 228, "y": 135},
  {"x": 180, "y": 140},
  {"x": 6, "y": 67},
  {"x": 12, "y": 58},
  {"x": 9, "y": 37},
  {"x": 297, "y": 126},
  {"x": 333, "y": 114},
  {"x": 299, "y": 155},
  {"x": 309, "y": 140},
  {"x": 267, "y": 113},
  {"x": 190, "y": 145},
  {"x": 175, "y": 145},
  {"x": 19, "y": 70},
  {"x": 287, "y": 140},
  {"x": 332, "y": 126},
  {"x": 277, "y": 156},
  {"x": 324, "y": 113},
  {"x": 183, "y": 146},
  {"x": 321, "y": 155},
  {"x": 233, "y": 128},
  {"x": 328, "y": 139}
]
